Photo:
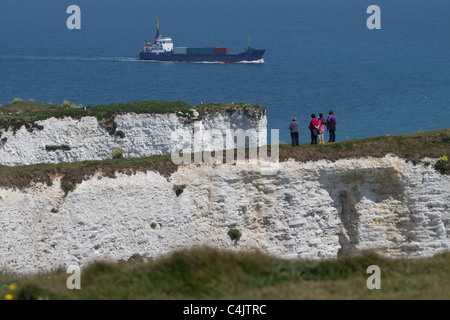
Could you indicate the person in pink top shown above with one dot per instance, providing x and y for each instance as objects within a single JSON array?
[
  {"x": 314, "y": 127},
  {"x": 322, "y": 122}
]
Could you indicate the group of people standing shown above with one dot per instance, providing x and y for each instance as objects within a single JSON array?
[{"x": 317, "y": 128}]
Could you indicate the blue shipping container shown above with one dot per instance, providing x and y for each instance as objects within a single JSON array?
[
  {"x": 193, "y": 50},
  {"x": 199, "y": 50},
  {"x": 206, "y": 50}
]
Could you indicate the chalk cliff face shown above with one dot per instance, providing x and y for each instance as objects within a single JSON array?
[
  {"x": 307, "y": 210},
  {"x": 144, "y": 135}
]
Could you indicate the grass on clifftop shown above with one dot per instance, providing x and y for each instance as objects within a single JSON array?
[
  {"x": 411, "y": 147},
  {"x": 75, "y": 172},
  {"x": 22, "y": 113},
  {"x": 206, "y": 273},
  {"x": 247, "y": 108}
]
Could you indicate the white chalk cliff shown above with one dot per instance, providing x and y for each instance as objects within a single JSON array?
[
  {"x": 144, "y": 135},
  {"x": 307, "y": 210}
]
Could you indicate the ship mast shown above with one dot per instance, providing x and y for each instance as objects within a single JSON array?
[
  {"x": 248, "y": 39},
  {"x": 157, "y": 28}
]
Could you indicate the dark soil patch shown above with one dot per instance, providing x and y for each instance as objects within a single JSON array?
[{"x": 74, "y": 173}]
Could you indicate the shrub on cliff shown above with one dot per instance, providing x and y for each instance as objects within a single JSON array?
[
  {"x": 68, "y": 105},
  {"x": 443, "y": 165},
  {"x": 63, "y": 147},
  {"x": 120, "y": 134},
  {"x": 117, "y": 153},
  {"x": 67, "y": 187},
  {"x": 179, "y": 189},
  {"x": 234, "y": 234}
]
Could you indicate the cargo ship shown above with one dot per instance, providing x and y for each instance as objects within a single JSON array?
[{"x": 162, "y": 49}]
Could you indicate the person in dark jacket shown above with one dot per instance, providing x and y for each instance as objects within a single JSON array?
[
  {"x": 314, "y": 127},
  {"x": 331, "y": 126},
  {"x": 293, "y": 127}
]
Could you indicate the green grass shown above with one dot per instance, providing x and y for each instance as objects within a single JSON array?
[
  {"x": 412, "y": 147},
  {"x": 250, "y": 110},
  {"x": 206, "y": 273},
  {"x": 73, "y": 173},
  {"x": 16, "y": 115}
]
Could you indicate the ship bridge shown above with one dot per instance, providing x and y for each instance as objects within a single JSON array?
[{"x": 161, "y": 43}]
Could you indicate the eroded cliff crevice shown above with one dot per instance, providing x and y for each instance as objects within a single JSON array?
[{"x": 351, "y": 189}]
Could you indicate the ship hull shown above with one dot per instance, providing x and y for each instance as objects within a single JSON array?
[{"x": 249, "y": 55}]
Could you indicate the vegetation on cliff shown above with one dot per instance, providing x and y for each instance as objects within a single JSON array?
[
  {"x": 250, "y": 110},
  {"x": 412, "y": 147},
  {"x": 20, "y": 113}
]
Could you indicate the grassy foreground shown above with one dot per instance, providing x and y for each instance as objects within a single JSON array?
[{"x": 206, "y": 273}]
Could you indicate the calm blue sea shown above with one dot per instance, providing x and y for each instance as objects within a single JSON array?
[{"x": 319, "y": 56}]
